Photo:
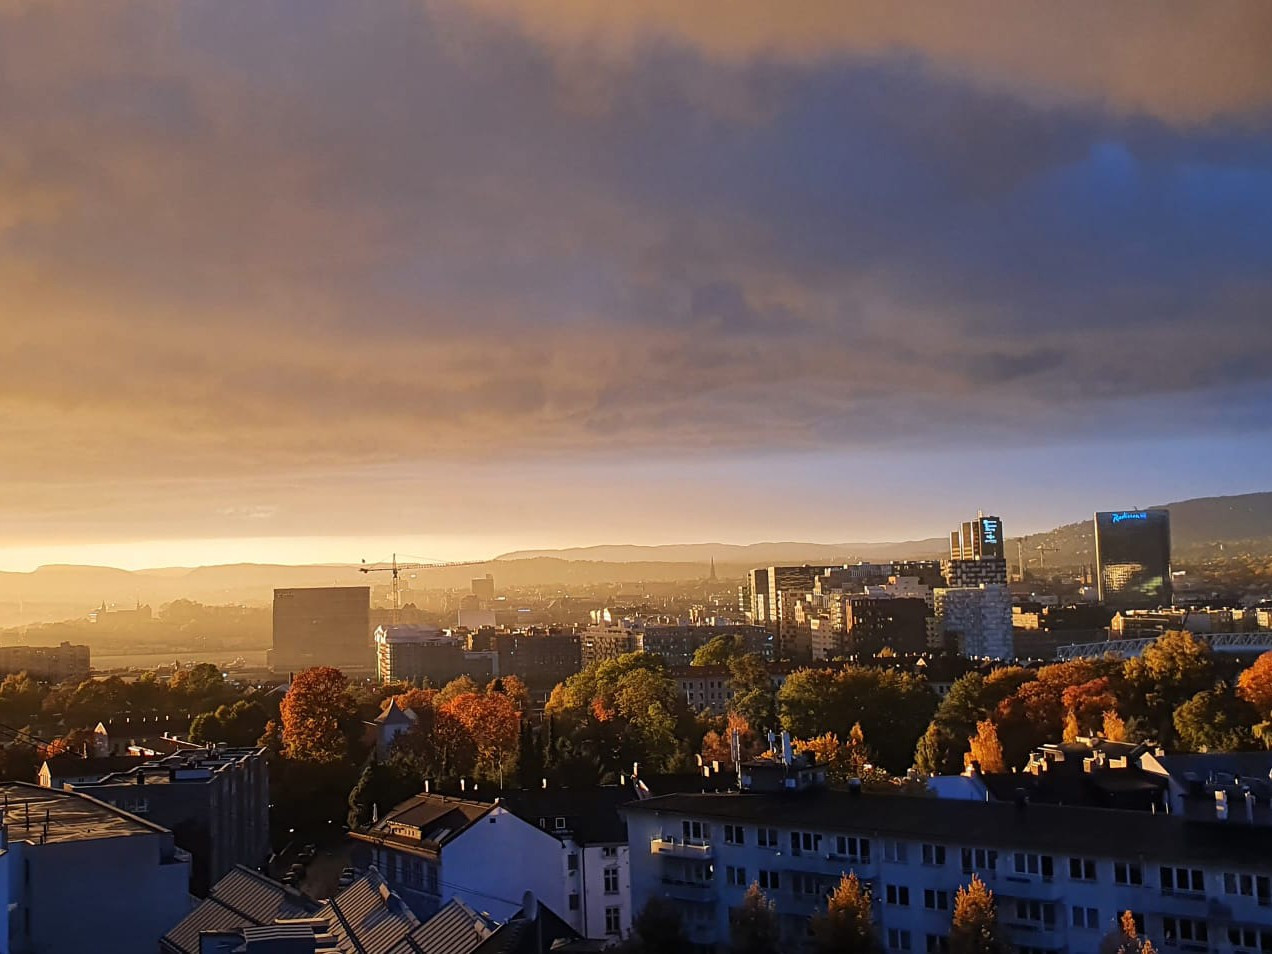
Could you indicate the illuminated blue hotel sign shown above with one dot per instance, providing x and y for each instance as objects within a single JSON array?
[{"x": 1129, "y": 515}]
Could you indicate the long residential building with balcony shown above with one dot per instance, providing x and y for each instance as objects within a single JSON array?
[{"x": 1061, "y": 875}]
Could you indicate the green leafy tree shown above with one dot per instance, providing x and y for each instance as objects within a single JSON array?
[
  {"x": 1173, "y": 669},
  {"x": 240, "y": 724},
  {"x": 753, "y": 928},
  {"x": 456, "y": 687},
  {"x": 974, "y": 926},
  {"x": 753, "y": 698},
  {"x": 892, "y": 708},
  {"x": 847, "y": 924},
  {"x": 719, "y": 651},
  {"x": 1215, "y": 720}
]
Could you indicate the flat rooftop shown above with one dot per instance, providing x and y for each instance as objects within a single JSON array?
[{"x": 48, "y": 816}]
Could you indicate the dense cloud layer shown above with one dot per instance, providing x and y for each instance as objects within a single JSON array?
[{"x": 288, "y": 238}]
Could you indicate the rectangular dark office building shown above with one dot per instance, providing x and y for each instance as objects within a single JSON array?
[
  {"x": 1132, "y": 554},
  {"x": 323, "y": 626}
]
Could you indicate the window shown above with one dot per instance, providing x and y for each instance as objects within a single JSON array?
[
  {"x": 1184, "y": 929},
  {"x": 898, "y": 940},
  {"x": 559, "y": 823},
  {"x": 1181, "y": 880},
  {"x": 938, "y": 944},
  {"x": 894, "y": 851},
  {"x": 613, "y": 920},
  {"x": 805, "y": 884},
  {"x": 574, "y": 901},
  {"x": 1249, "y": 940},
  {"x": 572, "y": 861},
  {"x": 431, "y": 874},
  {"x": 1030, "y": 864},
  {"x": 696, "y": 831},
  {"x": 611, "y": 881},
  {"x": 766, "y": 837},
  {"x": 897, "y": 894},
  {"x": 936, "y": 900},
  {"x": 979, "y": 859},
  {"x": 1086, "y": 917},
  {"x": 1126, "y": 872},
  {"x": 1082, "y": 869},
  {"x": 769, "y": 880},
  {"x": 734, "y": 835},
  {"x": 854, "y": 849},
  {"x": 1036, "y": 912},
  {"x": 735, "y": 876},
  {"x": 804, "y": 841},
  {"x": 1249, "y": 886},
  {"x": 934, "y": 854}
]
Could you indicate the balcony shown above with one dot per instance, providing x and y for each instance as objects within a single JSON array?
[
  {"x": 672, "y": 848},
  {"x": 694, "y": 892}
]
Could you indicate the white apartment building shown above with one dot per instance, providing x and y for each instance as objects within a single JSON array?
[
  {"x": 597, "y": 870},
  {"x": 567, "y": 847},
  {"x": 1061, "y": 875}
]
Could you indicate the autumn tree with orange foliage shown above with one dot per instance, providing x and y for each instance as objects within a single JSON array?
[
  {"x": 514, "y": 688},
  {"x": 1087, "y": 703},
  {"x": 1254, "y": 685},
  {"x": 494, "y": 726},
  {"x": 986, "y": 749},
  {"x": 974, "y": 926},
  {"x": 717, "y": 747},
  {"x": 318, "y": 713}
]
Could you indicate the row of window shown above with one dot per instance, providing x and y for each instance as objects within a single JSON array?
[
  {"x": 1172, "y": 879},
  {"x": 900, "y": 939}
]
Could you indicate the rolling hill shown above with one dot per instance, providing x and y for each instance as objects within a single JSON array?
[{"x": 1202, "y": 528}]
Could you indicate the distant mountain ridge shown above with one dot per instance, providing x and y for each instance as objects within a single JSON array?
[
  {"x": 751, "y": 554},
  {"x": 1201, "y": 528}
]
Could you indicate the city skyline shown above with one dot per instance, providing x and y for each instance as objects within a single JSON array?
[{"x": 459, "y": 277}]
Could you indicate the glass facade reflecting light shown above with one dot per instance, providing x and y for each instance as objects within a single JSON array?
[{"x": 1132, "y": 552}]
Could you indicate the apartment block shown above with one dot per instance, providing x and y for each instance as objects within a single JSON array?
[
  {"x": 977, "y": 617},
  {"x": 215, "y": 800},
  {"x": 1061, "y": 875},
  {"x": 77, "y": 874}
]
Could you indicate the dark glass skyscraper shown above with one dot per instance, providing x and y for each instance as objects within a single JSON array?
[{"x": 1132, "y": 553}]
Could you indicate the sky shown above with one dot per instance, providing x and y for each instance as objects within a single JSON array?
[{"x": 316, "y": 280}]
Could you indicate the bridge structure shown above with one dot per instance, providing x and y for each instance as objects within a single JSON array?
[{"x": 1256, "y": 642}]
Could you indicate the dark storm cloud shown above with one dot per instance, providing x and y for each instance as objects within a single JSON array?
[{"x": 286, "y": 235}]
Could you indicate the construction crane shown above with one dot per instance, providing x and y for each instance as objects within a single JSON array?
[
  {"x": 396, "y": 569},
  {"x": 1043, "y": 549}
]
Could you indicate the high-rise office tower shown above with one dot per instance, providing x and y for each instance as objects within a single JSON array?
[
  {"x": 1132, "y": 555},
  {"x": 323, "y": 626},
  {"x": 977, "y": 553},
  {"x": 978, "y": 539}
]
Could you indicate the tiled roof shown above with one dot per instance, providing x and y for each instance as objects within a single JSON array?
[
  {"x": 242, "y": 898},
  {"x": 1062, "y": 829},
  {"x": 455, "y": 929},
  {"x": 369, "y": 918}
]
